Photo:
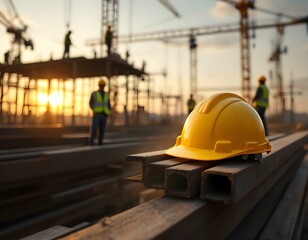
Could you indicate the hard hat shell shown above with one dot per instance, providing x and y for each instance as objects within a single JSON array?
[
  {"x": 102, "y": 82},
  {"x": 222, "y": 126}
]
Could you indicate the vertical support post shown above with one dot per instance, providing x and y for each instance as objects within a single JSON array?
[
  {"x": 48, "y": 94},
  {"x": 36, "y": 103},
  {"x": 63, "y": 105},
  {"x": 73, "y": 102},
  {"x": 193, "y": 64},
  {"x": 16, "y": 98},
  {"x": 280, "y": 32},
  {"x": 148, "y": 98},
  {"x": 126, "y": 100},
  {"x": 58, "y": 106},
  {"x": 26, "y": 100},
  {"x": 292, "y": 100},
  {"x": 2, "y": 95}
]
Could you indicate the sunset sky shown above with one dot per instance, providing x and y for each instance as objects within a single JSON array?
[{"x": 218, "y": 55}]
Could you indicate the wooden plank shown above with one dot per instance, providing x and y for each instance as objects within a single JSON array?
[
  {"x": 138, "y": 178},
  {"x": 289, "y": 209},
  {"x": 228, "y": 183},
  {"x": 176, "y": 218},
  {"x": 49, "y": 194},
  {"x": 253, "y": 223},
  {"x": 67, "y": 160},
  {"x": 50, "y": 233},
  {"x": 155, "y": 172},
  {"x": 58, "y": 216},
  {"x": 35, "y": 149},
  {"x": 149, "y": 194}
]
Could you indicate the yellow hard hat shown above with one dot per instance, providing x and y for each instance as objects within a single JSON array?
[
  {"x": 102, "y": 82},
  {"x": 262, "y": 79},
  {"x": 222, "y": 126}
]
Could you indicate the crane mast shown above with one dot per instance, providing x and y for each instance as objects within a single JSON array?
[
  {"x": 243, "y": 6},
  {"x": 110, "y": 17}
]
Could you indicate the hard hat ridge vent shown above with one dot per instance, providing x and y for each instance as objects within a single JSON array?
[{"x": 207, "y": 105}]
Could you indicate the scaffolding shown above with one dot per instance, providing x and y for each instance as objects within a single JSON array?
[{"x": 74, "y": 78}]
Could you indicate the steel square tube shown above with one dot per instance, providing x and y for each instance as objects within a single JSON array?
[
  {"x": 289, "y": 209},
  {"x": 145, "y": 158},
  {"x": 175, "y": 218},
  {"x": 136, "y": 178},
  {"x": 184, "y": 180},
  {"x": 155, "y": 172},
  {"x": 228, "y": 183},
  {"x": 253, "y": 224}
]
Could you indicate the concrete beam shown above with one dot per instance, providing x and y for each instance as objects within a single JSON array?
[{"x": 228, "y": 183}]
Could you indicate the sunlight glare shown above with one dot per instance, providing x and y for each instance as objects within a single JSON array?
[
  {"x": 42, "y": 98},
  {"x": 54, "y": 99}
]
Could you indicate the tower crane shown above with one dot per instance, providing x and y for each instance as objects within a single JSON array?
[
  {"x": 110, "y": 17},
  {"x": 194, "y": 32},
  {"x": 243, "y": 6},
  {"x": 170, "y": 7},
  {"x": 17, "y": 30},
  {"x": 193, "y": 64},
  {"x": 275, "y": 57}
]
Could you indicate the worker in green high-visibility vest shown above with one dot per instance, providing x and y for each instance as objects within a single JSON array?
[
  {"x": 260, "y": 101},
  {"x": 191, "y": 103},
  {"x": 100, "y": 105}
]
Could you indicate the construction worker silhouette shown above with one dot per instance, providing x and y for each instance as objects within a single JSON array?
[
  {"x": 260, "y": 101},
  {"x": 191, "y": 103},
  {"x": 100, "y": 105},
  {"x": 108, "y": 39},
  {"x": 7, "y": 57},
  {"x": 67, "y": 44}
]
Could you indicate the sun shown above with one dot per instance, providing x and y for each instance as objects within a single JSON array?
[
  {"x": 43, "y": 98},
  {"x": 54, "y": 99}
]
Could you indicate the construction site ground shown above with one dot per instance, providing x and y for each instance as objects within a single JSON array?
[{"x": 52, "y": 181}]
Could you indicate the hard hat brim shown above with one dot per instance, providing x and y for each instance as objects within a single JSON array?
[{"x": 210, "y": 155}]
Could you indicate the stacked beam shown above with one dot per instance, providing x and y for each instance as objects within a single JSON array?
[
  {"x": 247, "y": 191},
  {"x": 65, "y": 186},
  {"x": 226, "y": 181}
]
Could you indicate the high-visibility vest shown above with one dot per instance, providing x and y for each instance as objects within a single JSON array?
[
  {"x": 263, "y": 100},
  {"x": 101, "y": 103},
  {"x": 191, "y": 103}
]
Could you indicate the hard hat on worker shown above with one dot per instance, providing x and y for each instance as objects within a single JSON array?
[
  {"x": 222, "y": 126},
  {"x": 102, "y": 82},
  {"x": 262, "y": 79}
]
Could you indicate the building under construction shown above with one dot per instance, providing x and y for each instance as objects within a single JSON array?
[{"x": 27, "y": 77}]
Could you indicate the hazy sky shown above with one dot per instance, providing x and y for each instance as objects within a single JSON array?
[{"x": 218, "y": 55}]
